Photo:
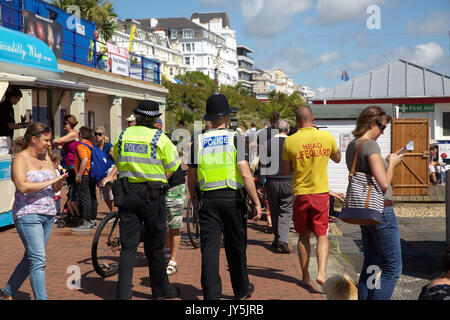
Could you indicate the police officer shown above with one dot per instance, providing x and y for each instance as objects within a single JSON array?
[
  {"x": 145, "y": 159},
  {"x": 220, "y": 167}
]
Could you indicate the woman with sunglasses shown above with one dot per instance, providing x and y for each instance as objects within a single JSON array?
[
  {"x": 34, "y": 208},
  {"x": 108, "y": 150},
  {"x": 381, "y": 243}
]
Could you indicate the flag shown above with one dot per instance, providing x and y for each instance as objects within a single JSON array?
[
  {"x": 132, "y": 35},
  {"x": 344, "y": 76}
]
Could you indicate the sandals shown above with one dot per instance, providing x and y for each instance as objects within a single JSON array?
[{"x": 171, "y": 268}]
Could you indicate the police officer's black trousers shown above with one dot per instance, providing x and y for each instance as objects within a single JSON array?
[
  {"x": 225, "y": 216},
  {"x": 153, "y": 215}
]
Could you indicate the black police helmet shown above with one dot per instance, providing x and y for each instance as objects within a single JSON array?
[
  {"x": 216, "y": 107},
  {"x": 148, "y": 108}
]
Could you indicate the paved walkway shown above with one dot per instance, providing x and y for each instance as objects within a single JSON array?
[
  {"x": 275, "y": 276},
  {"x": 422, "y": 243}
]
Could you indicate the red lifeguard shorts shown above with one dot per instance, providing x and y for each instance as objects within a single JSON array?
[{"x": 310, "y": 212}]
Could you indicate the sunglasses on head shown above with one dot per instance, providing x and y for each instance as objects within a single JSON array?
[
  {"x": 98, "y": 134},
  {"x": 380, "y": 125}
]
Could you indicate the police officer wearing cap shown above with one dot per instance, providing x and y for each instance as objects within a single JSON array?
[
  {"x": 145, "y": 160},
  {"x": 219, "y": 166}
]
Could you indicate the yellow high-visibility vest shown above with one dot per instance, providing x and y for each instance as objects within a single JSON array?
[
  {"x": 100, "y": 46},
  {"x": 143, "y": 154},
  {"x": 217, "y": 167}
]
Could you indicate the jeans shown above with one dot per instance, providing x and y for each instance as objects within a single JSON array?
[
  {"x": 102, "y": 64},
  {"x": 382, "y": 249},
  {"x": 34, "y": 230}
]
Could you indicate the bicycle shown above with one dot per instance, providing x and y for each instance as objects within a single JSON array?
[
  {"x": 105, "y": 250},
  {"x": 192, "y": 220}
]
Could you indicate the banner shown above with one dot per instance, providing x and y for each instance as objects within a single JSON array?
[
  {"x": 49, "y": 31},
  {"x": 119, "y": 60}
]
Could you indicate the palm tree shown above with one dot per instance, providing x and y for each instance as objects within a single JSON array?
[{"x": 99, "y": 11}]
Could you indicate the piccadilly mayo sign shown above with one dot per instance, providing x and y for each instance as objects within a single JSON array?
[
  {"x": 416, "y": 107},
  {"x": 20, "y": 48}
]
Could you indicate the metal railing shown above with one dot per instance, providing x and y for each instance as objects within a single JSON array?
[{"x": 76, "y": 46}]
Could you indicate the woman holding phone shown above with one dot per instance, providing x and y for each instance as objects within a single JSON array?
[
  {"x": 381, "y": 243},
  {"x": 34, "y": 208}
]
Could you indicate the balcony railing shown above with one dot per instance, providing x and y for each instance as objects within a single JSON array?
[{"x": 76, "y": 46}]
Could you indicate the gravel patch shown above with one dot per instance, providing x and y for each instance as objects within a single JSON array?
[{"x": 419, "y": 210}]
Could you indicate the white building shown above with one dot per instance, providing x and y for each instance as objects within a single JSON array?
[
  {"x": 305, "y": 92},
  {"x": 152, "y": 44},
  {"x": 271, "y": 80},
  {"x": 219, "y": 23},
  {"x": 199, "y": 47},
  {"x": 245, "y": 67},
  {"x": 406, "y": 92}
]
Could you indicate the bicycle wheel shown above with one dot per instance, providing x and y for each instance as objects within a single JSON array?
[
  {"x": 106, "y": 246},
  {"x": 192, "y": 225}
]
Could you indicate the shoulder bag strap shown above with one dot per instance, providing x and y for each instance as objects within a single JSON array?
[{"x": 352, "y": 171}]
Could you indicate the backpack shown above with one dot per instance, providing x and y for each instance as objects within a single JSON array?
[{"x": 99, "y": 163}]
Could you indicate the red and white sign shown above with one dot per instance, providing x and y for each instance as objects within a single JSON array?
[{"x": 119, "y": 60}]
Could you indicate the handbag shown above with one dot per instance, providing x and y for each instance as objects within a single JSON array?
[{"x": 364, "y": 201}]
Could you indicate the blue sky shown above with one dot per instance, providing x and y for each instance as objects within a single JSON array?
[{"x": 315, "y": 40}]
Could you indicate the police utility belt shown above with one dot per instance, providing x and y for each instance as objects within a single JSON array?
[
  {"x": 239, "y": 195},
  {"x": 148, "y": 191}
]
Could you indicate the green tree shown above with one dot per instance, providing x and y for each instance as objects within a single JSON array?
[{"x": 99, "y": 11}]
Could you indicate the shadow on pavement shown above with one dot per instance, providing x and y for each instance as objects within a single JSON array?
[
  {"x": 422, "y": 259},
  {"x": 270, "y": 273},
  {"x": 101, "y": 287}
]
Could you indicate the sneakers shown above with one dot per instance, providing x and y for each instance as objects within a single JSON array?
[
  {"x": 174, "y": 293},
  {"x": 4, "y": 296},
  {"x": 84, "y": 226},
  {"x": 283, "y": 247},
  {"x": 93, "y": 224},
  {"x": 171, "y": 268},
  {"x": 248, "y": 294}
]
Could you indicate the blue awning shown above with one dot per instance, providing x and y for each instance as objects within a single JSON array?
[
  {"x": 178, "y": 81},
  {"x": 24, "y": 50}
]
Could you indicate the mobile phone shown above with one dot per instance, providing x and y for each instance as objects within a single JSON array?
[{"x": 402, "y": 151}]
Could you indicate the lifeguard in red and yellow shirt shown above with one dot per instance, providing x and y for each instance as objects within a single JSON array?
[{"x": 306, "y": 154}]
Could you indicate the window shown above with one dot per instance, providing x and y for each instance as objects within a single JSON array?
[
  {"x": 173, "y": 34},
  {"x": 171, "y": 71},
  {"x": 193, "y": 47},
  {"x": 446, "y": 123},
  {"x": 188, "y": 33},
  {"x": 187, "y": 60},
  {"x": 183, "y": 47},
  {"x": 188, "y": 47}
]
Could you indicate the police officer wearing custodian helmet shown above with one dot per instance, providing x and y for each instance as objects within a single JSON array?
[
  {"x": 219, "y": 165},
  {"x": 145, "y": 159}
]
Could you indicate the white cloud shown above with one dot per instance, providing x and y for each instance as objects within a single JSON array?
[
  {"x": 435, "y": 22},
  {"x": 429, "y": 55},
  {"x": 338, "y": 11},
  {"x": 294, "y": 60},
  {"x": 328, "y": 57},
  {"x": 266, "y": 18}
]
